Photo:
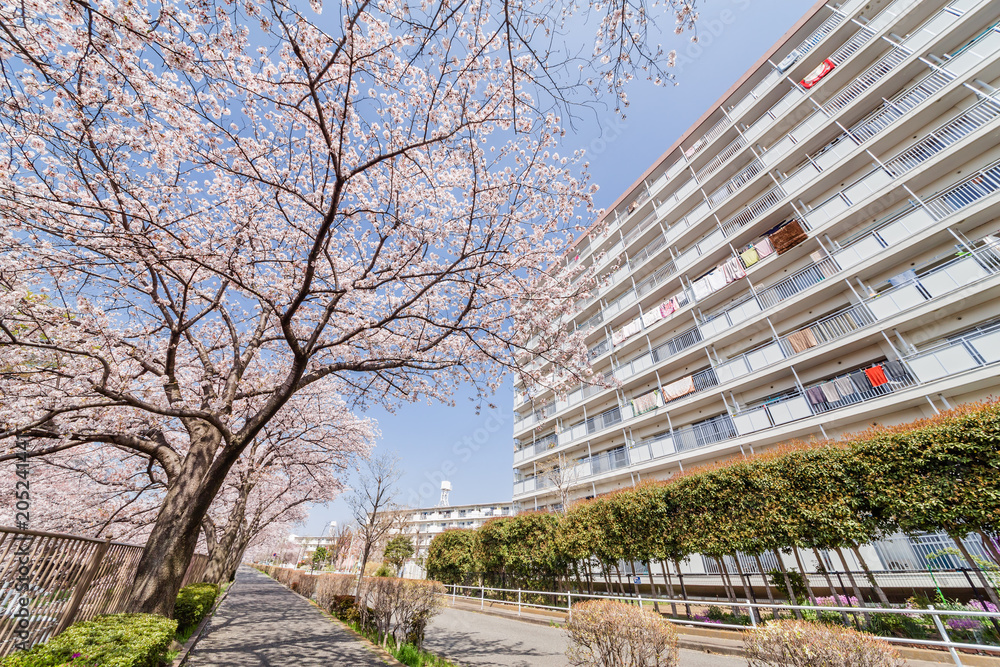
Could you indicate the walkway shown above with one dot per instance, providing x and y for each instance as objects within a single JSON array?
[
  {"x": 478, "y": 640},
  {"x": 263, "y": 624}
]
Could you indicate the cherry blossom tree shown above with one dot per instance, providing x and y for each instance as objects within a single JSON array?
[{"x": 206, "y": 208}]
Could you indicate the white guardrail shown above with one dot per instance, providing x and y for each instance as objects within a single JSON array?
[{"x": 752, "y": 609}]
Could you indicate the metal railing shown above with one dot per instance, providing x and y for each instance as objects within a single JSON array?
[
  {"x": 65, "y": 579},
  {"x": 563, "y": 602}
]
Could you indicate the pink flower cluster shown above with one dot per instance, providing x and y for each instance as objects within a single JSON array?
[{"x": 837, "y": 601}]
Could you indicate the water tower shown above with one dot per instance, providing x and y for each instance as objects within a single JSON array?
[{"x": 445, "y": 490}]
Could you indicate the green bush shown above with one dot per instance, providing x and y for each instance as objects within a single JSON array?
[
  {"x": 193, "y": 602},
  {"x": 384, "y": 571},
  {"x": 119, "y": 640}
]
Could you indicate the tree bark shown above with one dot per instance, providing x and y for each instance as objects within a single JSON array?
[
  {"x": 670, "y": 588},
  {"x": 746, "y": 587},
  {"x": 788, "y": 584},
  {"x": 829, "y": 582},
  {"x": 728, "y": 585},
  {"x": 990, "y": 592},
  {"x": 882, "y": 597},
  {"x": 174, "y": 536},
  {"x": 805, "y": 576},
  {"x": 991, "y": 546},
  {"x": 767, "y": 584},
  {"x": 684, "y": 593}
]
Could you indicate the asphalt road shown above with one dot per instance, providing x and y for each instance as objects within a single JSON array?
[{"x": 479, "y": 640}]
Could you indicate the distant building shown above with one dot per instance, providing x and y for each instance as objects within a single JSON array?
[
  {"x": 307, "y": 544},
  {"x": 423, "y": 524}
]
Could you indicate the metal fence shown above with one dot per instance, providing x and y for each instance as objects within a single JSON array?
[
  {"x": 753, "y": 612},
  {"x": 50, "y": 580}
]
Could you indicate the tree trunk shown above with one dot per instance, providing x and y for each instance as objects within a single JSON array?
[
  {"x": 882, "y": 597},
  {"x": 747, "y": 589},
  {"x": 805, "y": 576},
  {"x": 670, "y": 588},
  {"x": 788, "y": 584},
  {"x": 854, "y": 584},
  {"x": 728, "y": 585},
  {"x": 991, "y": 546},
  {"x": 767, "y": 585},
  {"x": 990, "y": 592},
  {"x": 834, "y": 591},
  {"x": 684, "y": 593},
  {"x": 652, "y": 586},
  {"x": 172, "y": 542}
]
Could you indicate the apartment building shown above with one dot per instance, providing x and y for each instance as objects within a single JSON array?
[
  {"x": 818, "y": 253},
  {"x": 423, "y": 524}
]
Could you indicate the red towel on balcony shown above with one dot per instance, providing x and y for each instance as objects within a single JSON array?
[
  {"x": 813, "y": 77},
  {"x": 876, "y": 376}
]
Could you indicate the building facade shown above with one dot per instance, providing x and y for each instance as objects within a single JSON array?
[
  {"x": 818, "y": 253},
  {"x": 423, "y": 524}
]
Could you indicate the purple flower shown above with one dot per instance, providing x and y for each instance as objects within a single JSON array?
[
  {"x": 963, "y": 624},
  {"x": 837, "y": 601},
  {"x": 976, "y": 605}
]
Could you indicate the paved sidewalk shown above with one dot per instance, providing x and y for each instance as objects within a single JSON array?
[
  {"x": 473, "y": 639},
  {"x": 263, "y": 624}
]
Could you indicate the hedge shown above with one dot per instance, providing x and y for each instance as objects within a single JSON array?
[
  {"x": 941, "y": 473},
  {"x": 193, "y": 603},
  {"x": 118, "y": 640}
]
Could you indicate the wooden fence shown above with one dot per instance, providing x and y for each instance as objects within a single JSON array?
[{"x": 63, "y": 579}]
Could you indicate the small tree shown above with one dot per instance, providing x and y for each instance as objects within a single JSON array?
[
  {"x": 320, "y": 556},
  {"x": 397, "y": 551},
  {"x": 373, "y": 503}
]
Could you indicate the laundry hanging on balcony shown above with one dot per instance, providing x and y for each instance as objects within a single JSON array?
[
  {"x": 815, "y": 395},
  {"x": 647, "y": 402},
  {"x": 788, "y": 61},
  {"x": 814, "y": 77},
  {"x": 651, "y": 317},
  {"x": 764, "y": 247},
  {"x": 701, "y": 288},
  {"x": 668, "y": 307},
  {"x": 788, "y": 237},
  {"x": 845, "y": 386},
  {"x": 830, "y": 392},
  {"x": 681, "y": 387},
  {"x": 876, "y": 376},
  {"x": 802, "y": 340},
  {"x": 732, "y": 270},
  {"x": 860, "y": 381},
  {"x": 750, "y": 256}
]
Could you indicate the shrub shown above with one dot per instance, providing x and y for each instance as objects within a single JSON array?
[
  {"x": 605, "y": 633},
  {"x": 804, "y": 644},
  {"x": 329, "y": 587},
  {"x": 119, "y": 640},
  {"x": 384, "y": 571},
  {"x": 400, "y": 608},
  {"x": 193, "y": 602}
]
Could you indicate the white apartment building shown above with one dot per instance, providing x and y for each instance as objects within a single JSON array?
[
  {"x": 423, "y": 524},
  {"x": 871, "y": 132}
]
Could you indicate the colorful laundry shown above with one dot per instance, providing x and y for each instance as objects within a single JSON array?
[
  {"x": 876, "y": 376},
  {"x": 668, "y": 307},
  {"x": 815, "y": 76},
  {"x": 647, "y": 402},
  {"x": 788, "y": 237},
  {"x": 677, "y": 389},
  {"x": 764, "y": 247},
  {"x": 749, "y": 257}
]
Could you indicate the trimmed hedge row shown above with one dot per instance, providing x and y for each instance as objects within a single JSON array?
[
  {"x": 941, "y": 473},
  {"x": 118, "y": 640},
  {"x": 193, "y": 603}
]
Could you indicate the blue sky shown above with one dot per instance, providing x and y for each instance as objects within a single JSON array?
[{"x": 475, "y": 451}]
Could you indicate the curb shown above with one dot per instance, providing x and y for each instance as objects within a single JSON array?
[{"x": 200, "y": 630}]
